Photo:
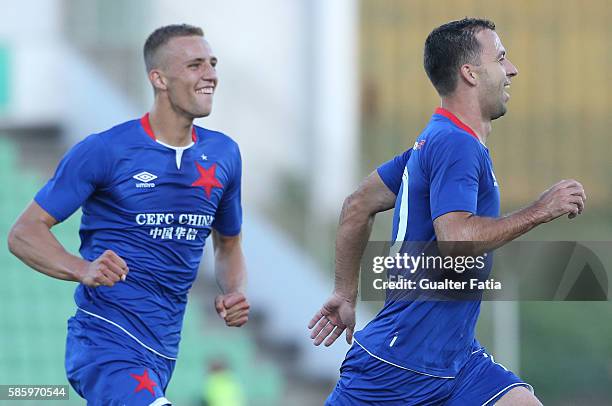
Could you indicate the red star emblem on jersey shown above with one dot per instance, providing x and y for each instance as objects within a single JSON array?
[
  {"x": 207, "y": 179},
  {"x": 144, "y": 382}
]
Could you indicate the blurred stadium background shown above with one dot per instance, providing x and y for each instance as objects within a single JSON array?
[{"x": 318, "y": 94}]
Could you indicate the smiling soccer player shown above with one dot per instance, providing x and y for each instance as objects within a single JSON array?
[
  {"x": 424, "y": 352},
  {"x": 152, "y": 190}
]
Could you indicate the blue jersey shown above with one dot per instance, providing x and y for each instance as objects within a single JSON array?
[
  {"x": 447, "y": 170},
  {"x": 154, "y": 205}
]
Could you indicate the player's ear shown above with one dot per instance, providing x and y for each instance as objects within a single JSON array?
[
  {"x": 157, "y": 80},
  {"x": 469, "y": 74}
]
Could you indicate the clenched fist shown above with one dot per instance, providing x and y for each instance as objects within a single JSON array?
[
  {"x": 564, "y": 197},
  {"x": 108, "y": 269},
  {"x": 233, "y": 308}
]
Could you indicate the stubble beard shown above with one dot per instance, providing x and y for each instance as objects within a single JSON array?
[{"x": 496, "y": 107}]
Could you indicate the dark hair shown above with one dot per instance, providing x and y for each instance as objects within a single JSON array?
[
  {"x": 448, "y": 47},
  {"x": 162, "y": 35}
]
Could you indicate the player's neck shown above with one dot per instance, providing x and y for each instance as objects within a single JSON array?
[
  {"x": 469, "y": 113},
  {"x": 170, "y": 127}
]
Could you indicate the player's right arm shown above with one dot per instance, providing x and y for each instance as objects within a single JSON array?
[
  {"x": 84, "y": 168},
  {"x": 358, "y": 211},
  {"x": 32, "y": 241},
  {"x": 354, "y": 229}
]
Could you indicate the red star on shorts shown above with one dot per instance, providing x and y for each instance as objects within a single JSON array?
[
  {"x": 144, "y": 382},
  {"x": 207, "y": 179}
]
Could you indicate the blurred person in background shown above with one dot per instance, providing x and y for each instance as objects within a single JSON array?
[
  {"x": 444, "y": 189},
  {"x": 221, "y": 388},
  {"x": 151, "y": 190}
]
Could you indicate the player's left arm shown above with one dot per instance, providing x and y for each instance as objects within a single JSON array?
[
  {"x": 230, "y": 272},
  {"x": 565, "y": 197},
  {"x": 455, "y": 168}
]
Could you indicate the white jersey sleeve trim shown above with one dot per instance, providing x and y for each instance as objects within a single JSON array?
[
  {"x": 506, "y": 389},
  {"x": 128, "y": 333}
]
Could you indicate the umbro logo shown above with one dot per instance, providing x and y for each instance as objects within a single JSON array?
[{"x": 145, "y": 178}]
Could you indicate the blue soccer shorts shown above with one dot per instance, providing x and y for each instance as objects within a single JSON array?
[
  {"x": 366, "y": 380},
  {"x": 108, "y": 368}
]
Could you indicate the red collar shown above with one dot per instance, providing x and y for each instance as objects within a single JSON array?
[
  {"x": 146, "y": 124},
  {"x": 443, "y": 112}
]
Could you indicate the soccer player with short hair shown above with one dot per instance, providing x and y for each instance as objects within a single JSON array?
[
  {"x": 422, "y": 352},
  {"x": 151, "y": 191}
]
